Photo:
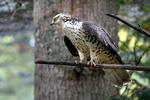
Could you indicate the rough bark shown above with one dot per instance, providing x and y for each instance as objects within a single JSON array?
[{"x": 61, "y": 83}]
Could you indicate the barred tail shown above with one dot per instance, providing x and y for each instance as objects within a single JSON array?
[{"x": 118, "y": 77}]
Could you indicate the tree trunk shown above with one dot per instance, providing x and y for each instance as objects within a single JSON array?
[{"x": 61, "y": 83}]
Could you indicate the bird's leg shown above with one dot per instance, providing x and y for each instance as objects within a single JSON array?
[
  {"x": 91, "y": 63},
  {"x": 83, "y": 58},
  {"x": 93, "y": 67},
  {"x": 79, "y": 69},
  {"x": 80, "y": 62}
]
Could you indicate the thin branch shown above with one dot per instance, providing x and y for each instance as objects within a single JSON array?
[
  {"x": 141, "y": 30},
  {"x": 134, "y": 52},
  {"x": 139, "y": 60},
  {"x": 98, "y": 66}
]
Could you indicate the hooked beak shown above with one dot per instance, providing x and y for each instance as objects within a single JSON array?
[{"x": 51, "y": 24}]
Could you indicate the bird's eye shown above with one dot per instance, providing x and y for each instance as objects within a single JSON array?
[{"x": 55, "y": 19}]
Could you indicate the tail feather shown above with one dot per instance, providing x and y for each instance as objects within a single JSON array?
[{"x": 118, "y": 77}]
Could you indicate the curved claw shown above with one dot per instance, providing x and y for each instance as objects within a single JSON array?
[{"x": 91, "y": 63}]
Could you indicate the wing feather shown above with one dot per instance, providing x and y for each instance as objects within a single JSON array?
[
  {"x": 70, "y": 46},
  {"x": 103, "y": 36}
]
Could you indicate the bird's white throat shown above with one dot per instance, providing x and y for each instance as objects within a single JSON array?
[{"x": 70, "y": 28}]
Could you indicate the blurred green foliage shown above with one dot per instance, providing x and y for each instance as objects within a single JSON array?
[
  {"x": 16, "y": 67},
  {"x": 132, "y": 45},
  {"x": 16, "y": 50}
]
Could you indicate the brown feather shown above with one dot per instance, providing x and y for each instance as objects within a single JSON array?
[{"x": 103, "y": 36}]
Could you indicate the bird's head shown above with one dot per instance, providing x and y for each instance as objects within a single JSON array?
[{"x": 59, "y": 19}]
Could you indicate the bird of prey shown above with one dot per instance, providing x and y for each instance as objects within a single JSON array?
[{"x": 90, "y": 41}]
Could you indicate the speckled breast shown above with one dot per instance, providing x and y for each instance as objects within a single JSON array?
[
  {"x": 77, "y": 37},
  {"x": 100, "y": 53}
]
